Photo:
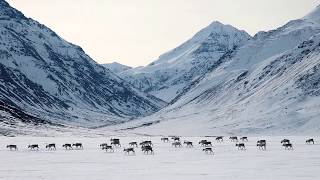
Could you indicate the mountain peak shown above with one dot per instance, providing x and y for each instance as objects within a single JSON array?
[
  {"x": 116, "y": 67},
  {"x": 213, "y": 32},
  {"x": 216, "y": 23},
  {"x": 216, "y": 27}
]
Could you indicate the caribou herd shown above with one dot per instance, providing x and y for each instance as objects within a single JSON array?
[{"x": 147, "y": 146}]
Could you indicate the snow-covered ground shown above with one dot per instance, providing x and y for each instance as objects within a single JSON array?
[{"x": 167, "y": 163}]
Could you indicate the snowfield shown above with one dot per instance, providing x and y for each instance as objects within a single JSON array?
[{"x": 167, "y": 163}]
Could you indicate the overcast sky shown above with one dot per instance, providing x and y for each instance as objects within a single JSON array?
[{"x": 136, "y": 32}]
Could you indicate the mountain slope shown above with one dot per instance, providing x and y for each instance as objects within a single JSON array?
[
  {"x": 270, "y": 85},
  {"x": 168, "y": 75},
  {"x": 42, "y": 74}
]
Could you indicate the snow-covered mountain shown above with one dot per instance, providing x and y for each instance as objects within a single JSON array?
[
  {"x": 167, "y": 76},
  {"x": 269, "y": 85},
  {"x": 43, "y": 76},
  {"x": 116, "y": 67}
]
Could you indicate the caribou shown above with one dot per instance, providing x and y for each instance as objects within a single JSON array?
[
  {"x": 309, "y": 141},
  {"x": 33, "y": 147},
  {"x": 202, "y": 142},
  {"x": 208, "y": 150},
  {"x": 67, "y": 146},
  {"x": 51, "y": 146},
  {"x": 78, "y": 145},
  {"x": 108, "y": 148},
  {"x": 233, "y": 138},
  {"x": 219, "y": 139},
  {"x": 188, "y": 143},
  {"x": 244, "y": 139},
  {"x": 262, "y": 144},
  {"x": 205, "y": 143},
  {"x": 285, "y": 141},
  {"x": 177, "y": 144},
  {"x": 288, "y": 146},
  {"x": 241, "y": 146},
  {"x": 128, "y": 150},
  {"x": 114, "y": 139},
  {"x": 133, "y": 144},
  {"x": 146, "y": 149},
  {"x": 12, "y": 147},
  {"x": 115, "y": 142},
  {"x": 146, "y": 143},
  {"x": 176, "y": 138},
  {"x": 103, "y": 145}
]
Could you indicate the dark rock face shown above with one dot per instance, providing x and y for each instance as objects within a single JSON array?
[
  {"x": 17, "y": 113},
  {"x": 310, "y": 83}
]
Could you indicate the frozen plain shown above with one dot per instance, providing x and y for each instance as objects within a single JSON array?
[{"x": 168, "y": 163}]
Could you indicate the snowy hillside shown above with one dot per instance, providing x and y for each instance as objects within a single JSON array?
[
  {"x": 46, "y": 77},
  {"x": 269, "y": 85},
  {"x": 116, "y": 67},
  {"x": 167, "y": 76}
]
